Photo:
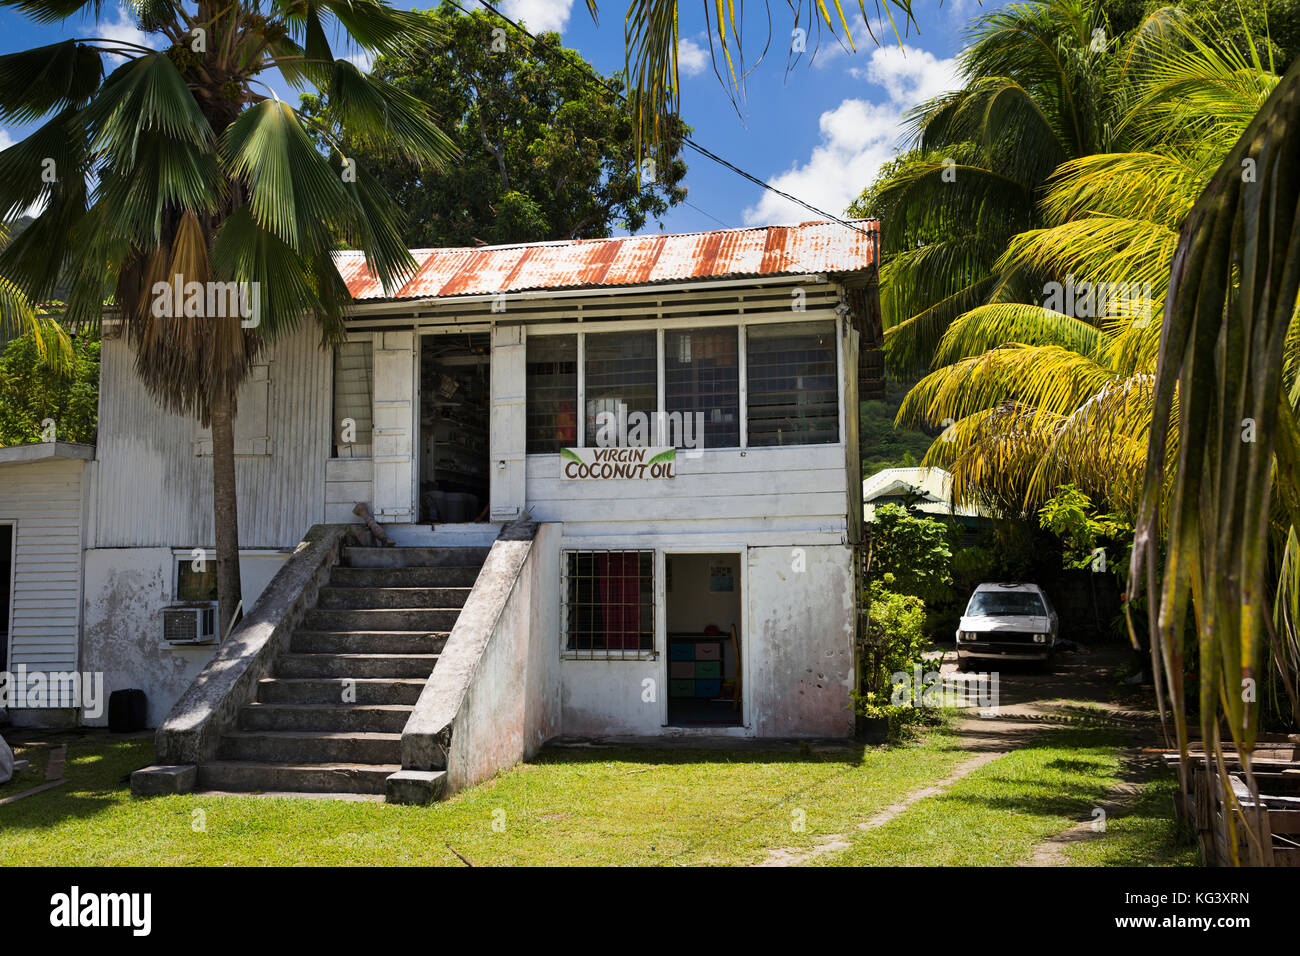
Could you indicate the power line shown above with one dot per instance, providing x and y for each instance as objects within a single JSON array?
[{"x": 590, "y": 74}]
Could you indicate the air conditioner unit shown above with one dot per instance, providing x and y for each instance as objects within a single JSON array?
[{"x": 190, "y": 623}]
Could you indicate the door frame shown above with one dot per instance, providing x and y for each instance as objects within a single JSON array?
[
  {"x": 417, "y": 406},
  {"x": 741, "y": 553},
  {"x": 11, "y": 584}
]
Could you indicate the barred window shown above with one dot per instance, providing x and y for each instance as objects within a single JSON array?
[
  {"x": 354, "y": 390},
  {"x": 609, "y": 604},
  {"x": 551, "y": 393},
  {"x": 702, "y": 383},
  {"x": 622, "y": 370},
  {"x": 792, "y": 388}
]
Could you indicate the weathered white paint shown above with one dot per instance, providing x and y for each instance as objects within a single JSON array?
[
  {"x": 43, "y": 500},
  {"x": 347, "y": 481},
  {"x": 796, "y": 641},
  {"x": 396, "y": 400},
  {"x": 126, "y": 589},
  {"x": 506, "y": 427},
  {"x": 800, "y": 646}
]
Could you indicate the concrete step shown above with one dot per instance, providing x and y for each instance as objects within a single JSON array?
[
  {"x": 368, "y": 642},
  {"x": 331, "y": 690},
  {"x": 451, "y": 576},
  {"x": 403, "y": 619},
  {"x": 310, "y": 746},
  {"x": 414, "y": 557},
  {"x": 347, "y": 599},
  {"x": 245, "y": 777},
  {"x": 366, "y": 718},
  {"x": 355, "y": 665}
]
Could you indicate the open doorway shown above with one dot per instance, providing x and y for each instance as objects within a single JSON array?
[
  {"x": 455, "y": 393},
  {"x": 6, "y": 589},
  {"x": 703, "y": 608}
]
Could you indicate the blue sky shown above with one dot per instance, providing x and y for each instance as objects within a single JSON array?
[{"x": 819, "y": 131}]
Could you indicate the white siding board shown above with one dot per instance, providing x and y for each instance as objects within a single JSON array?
[
  {"x": 153, "y": 490},
  {"x": 43, "y": 500}
]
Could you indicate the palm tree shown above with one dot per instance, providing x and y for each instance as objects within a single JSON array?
[
  {"x": 1041, "y": 88},
  {"x": 1037, "y": 394},
  {"x": 1226, "y": 498},
  {"x": 183, "y": 162}
]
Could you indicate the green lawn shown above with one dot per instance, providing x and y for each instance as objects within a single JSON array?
[
  {"x": 996, "y": 815},
  {"x": 671, "y": 807}
]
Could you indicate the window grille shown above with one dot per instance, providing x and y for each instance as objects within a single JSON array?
[
  {"x": 622, "y": 369},
  {"x": 608, "y": 604},
  {"x": 702, "y": 376},
  {"x": 551, "y": 393},
  {"x": 792, "y": 387}
]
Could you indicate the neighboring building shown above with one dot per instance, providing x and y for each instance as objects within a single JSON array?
[
  {"x": 926, "y": 490},
  {"x": 471, "y": 397}
]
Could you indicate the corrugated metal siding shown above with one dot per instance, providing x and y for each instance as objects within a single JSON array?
[
  {"x": 807, "y": 249},
  {"x": 44, "y": 499},
  {"x": 154, "y": 491}
]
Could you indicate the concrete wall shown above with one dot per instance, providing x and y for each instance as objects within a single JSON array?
[
  {"x": 800, "y": 645},
  {"x": 126, "y": 589},
  {"x": 510, "y": 709},
  {"x": 796, "y": 636}
]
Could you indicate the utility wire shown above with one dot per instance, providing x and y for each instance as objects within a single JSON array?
[{"x": 589, "y": 74}]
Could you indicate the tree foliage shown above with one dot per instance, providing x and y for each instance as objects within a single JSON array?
[
  {"x": 33, "y": 391},
  {"x": 546, "y": 152}
]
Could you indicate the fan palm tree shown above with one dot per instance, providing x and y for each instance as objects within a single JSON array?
[{"x": 181, "y": 165}]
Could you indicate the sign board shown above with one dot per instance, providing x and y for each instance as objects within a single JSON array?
[{"x": 611, "y": 464}]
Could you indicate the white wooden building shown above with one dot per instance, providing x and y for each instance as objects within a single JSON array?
[{"x": 456, "y": 405}]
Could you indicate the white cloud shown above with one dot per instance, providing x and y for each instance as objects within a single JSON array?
[
  {"x": 858, "y": 136},
  {"x": 363, "y": 61},
  {"x": 539, "y": 15},
  {"x": 691, "y": 57},
  {"x": 125, "y": 30}
]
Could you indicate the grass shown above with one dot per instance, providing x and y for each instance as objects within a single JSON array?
[
  {"x": 1144, "y": 834},
  {"x": 998, "y": 814},
  {"x": 622, "y": 807},
  {"x": 569, "y": 806}
]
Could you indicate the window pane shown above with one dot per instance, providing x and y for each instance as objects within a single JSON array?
[
  {"x": 194, "y": 585},
  {"x": 792, "y": 389},
  {"x": 702, "y": 378},
  {"x": 609, "y": 603},
  {"x": 621, "y": 370},
  {"x": 551, "y": 388},
  {"x": 353, "y": 399}
]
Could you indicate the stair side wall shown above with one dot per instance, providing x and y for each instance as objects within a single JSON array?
[
  {"x": 493, "y": 698},
  {"x": 210, "y": 707}
]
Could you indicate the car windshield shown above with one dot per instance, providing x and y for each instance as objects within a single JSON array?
[{"x": 1005, "y": 604}]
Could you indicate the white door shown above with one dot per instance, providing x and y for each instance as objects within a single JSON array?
[{"x": 394, "y": 431}]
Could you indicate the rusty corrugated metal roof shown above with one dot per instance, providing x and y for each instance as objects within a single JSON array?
[{"x": 807, "y": 249}]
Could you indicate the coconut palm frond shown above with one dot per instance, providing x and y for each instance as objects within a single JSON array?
[{"x": 992, "y": 326}]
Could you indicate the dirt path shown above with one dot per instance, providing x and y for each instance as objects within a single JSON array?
[{"x": 1077, "y": 690}]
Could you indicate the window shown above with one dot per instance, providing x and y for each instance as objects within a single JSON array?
[
  {"x": 1005, "y": 604},
  {"x": 609, "y": 604},
  {"x": 792, "y": 387},
  {"x": 702, "y": 382},
  {"x": 551, "y": 393},
  {"x": 354, "y": 389},
  {"x": 622, "y": 370},
  {"x": 194, "y": 585}
]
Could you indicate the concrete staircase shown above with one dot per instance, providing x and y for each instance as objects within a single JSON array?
[{"x": 329, "y": 722}]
